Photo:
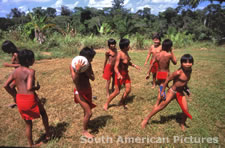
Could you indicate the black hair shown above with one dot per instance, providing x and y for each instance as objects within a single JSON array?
[
  {"x": 111, "y": 41},
  {"x": 156, "y": 36},
  {"x": 25, "y": 57},
  {"x": 167, "y": 45},
  {"x": 124, "y": 43},
  {"x": 9, "y": 47},
  {"x": 87, "y": 52},
  {"x": 185, "y": 58}
]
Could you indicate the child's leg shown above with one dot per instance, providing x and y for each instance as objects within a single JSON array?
[
  {"x": 44, "y": 117},
  {"x": 87, "y": 115},
  {"x": 154, "y": 80},
  {"x": 184, "y": 116},
  {"x": 13, "y": 87},
  {"x": 113, "y": 81},
  {"x": 156, "y": 109},
  {"x": 159, "y": 99},
  {"x": 29, "y": 132},
  {"x": 125, "y": 94},
  {"x": 107, "y": 88},
  {"x": 111, "y": 97}
]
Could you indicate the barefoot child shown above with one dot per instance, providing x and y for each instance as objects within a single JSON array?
[
  {"x": 163, "y": 59},
  {"x": 83, "y": 91},
  {"x": 180, "y": 79},
  {"x": 154, "y": 49},
  {"x": 108, "y": 70},
  {"x": 10, "y": 48},
  {"x": 27, "y": 100},
  {"x": 121, "y": 73}
]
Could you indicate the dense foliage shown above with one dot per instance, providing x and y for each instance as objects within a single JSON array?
[{"x": 181, "y": 24}]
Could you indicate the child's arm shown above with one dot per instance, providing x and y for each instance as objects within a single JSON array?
[
  {"x": 90, "y": 73},
  {"x": 170, "y": 78},
  {"x": 150, "y": 68},
  {"x": 11, "y": 65},
  {"x": 74, "y": 74},
  {"x": 119, "y": 76},
  {"x": 30, "y": 81},
  {"x": 186, "y": 90},
  {"x": 135, "y": 66},
  {"x": 7, "y": 87},
  {"x": 106, "y": 59},
  {"x": 173, "y": 58},
  {"x": 149, "y": 54}
]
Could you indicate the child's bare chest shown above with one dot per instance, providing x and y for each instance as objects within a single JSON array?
[{"x": 125, "y": 58}]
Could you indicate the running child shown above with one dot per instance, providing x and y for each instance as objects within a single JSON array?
[
  {"x": 180, "y": 80},
  {"x": 10, "y": 48},
  {"x": 83, "y": 91},
  {"x": 154, "y": 49},
  {"x": 27, "y": 100},
  {"x": 123, "y": 60},
  {"x": 163, "y": 59},
  {"x": 108, "y": 70}
]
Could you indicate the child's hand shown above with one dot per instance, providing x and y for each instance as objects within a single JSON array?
[
  {"x": 38, "y": 86},
  {"x": 147, "y": 77},
  {"x": 162, "y": 94},
  {"x": 137, "y": 67},
  {"x": 79, "y": 65},
  {"x": 119, "y": 76}
]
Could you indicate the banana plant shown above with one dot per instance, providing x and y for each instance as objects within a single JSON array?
[
  {"x": 39, "y": 25},
  {"x": 104, "y": 29}
]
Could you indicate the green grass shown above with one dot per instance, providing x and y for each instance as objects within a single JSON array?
[{"x": 206, "y": 105}]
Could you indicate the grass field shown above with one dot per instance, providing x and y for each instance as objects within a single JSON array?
[{"x": 119, "y": 126}]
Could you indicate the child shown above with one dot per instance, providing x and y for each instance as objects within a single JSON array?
[
  {"x": 108, "y": 70},
  {"x": 27, "y": 100},
  {"x": 10, "y": 48},
  {"x": 180, "y": 79},
  {"x": 154, "y": 49},
  {"x": 121, "y": 73},
  {"x": 163, "y": 59},
  {"x": 82, "y": 91}
]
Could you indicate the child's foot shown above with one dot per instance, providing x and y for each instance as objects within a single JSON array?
[
  {"x": 153, "y": 86},
  {"x": 105, "y": 107},
  {"x": 37, "y": 145},
  {"x": 87, "y": 134},
  {"x": 12, "y": 105},
  {"x": 121, "y": 103},
  {"x": 144, "y": 123},
  {"x": 182, "y": 127}
]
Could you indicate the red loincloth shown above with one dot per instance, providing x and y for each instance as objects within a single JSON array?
[
  {"x": 179, "y": 100},
  {"x": 108, "y": 71},
  {"x": 86, "y": 94},
  {"x": 154, "y": 67},
  {"x": 27, "y": 106},
  {"x": 124, "y": 80},
  {"x": 161, "y": 75}
]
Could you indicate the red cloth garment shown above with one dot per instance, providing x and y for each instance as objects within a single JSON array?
[
  {"x": 161, "y": 75},
  {"x": 108, "y": 71},
  {"x": 154, "y": 67},
  {"x": 27, "y": 106},
  {"x": 124, "y": 80},
  {"x": 179, "y": 100},
  {"x": 86, "y": 94}
]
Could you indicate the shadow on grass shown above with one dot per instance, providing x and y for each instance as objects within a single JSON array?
[
  {"x": 56, "y": 132},
  {"x": 98, "y": 122},
  {"x": 130, "y": 99},
  {"x": 164, "y": 119}
]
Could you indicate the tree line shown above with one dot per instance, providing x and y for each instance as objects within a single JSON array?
[{"x": 205, "y": 24}]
